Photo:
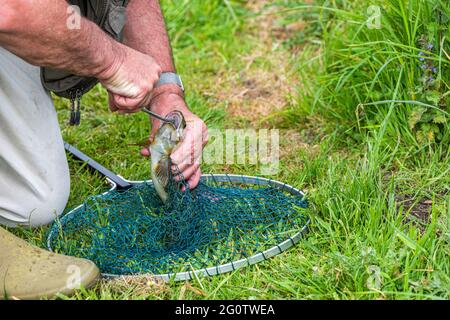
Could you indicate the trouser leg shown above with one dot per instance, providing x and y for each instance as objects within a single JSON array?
[{"x": 34, "y": 175}]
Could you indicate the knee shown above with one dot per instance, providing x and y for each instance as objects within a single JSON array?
[
  {"x": 38, "y": 208},
  {"x": 50, "y": 205}
]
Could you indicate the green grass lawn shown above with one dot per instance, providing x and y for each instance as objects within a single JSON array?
[{"x": 377, "y": 174}]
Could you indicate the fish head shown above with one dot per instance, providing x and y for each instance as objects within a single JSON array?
[
  {"x": 179, "y": 124},
  {"x": 169, "y": 134}
]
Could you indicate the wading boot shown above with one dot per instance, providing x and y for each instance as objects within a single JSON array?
[{"x": 28, "y": 272}]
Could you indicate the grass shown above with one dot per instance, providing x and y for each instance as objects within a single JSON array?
[{"x": 367, "y": 168}]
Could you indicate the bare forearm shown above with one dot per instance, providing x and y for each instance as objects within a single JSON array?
[
  {"x": 145, "y": 31},
  {"x": 37, "y": 32}
]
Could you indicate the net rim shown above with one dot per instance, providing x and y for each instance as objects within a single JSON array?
[{"x": 216, "y": 270}]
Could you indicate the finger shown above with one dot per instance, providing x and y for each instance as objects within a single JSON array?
[
  {"x": 127, "y": 104},
  {"x": 188, "y": 151},
  {"x": 155, "y": 125},
  {"x": 145, "y": 152},
  {"x": 186, "y": 163},
  {"x": 194, "y": 180},
  {"x": 112, "y": 105},
  {"x": 188, "y": 172},
  {"x": 177, "y": 168},
  {"x": 126, "y": 111},
  {"x": 190, "y": 159}
]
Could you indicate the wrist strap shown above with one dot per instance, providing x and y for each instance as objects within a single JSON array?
[{"x": 170, "y": 78}]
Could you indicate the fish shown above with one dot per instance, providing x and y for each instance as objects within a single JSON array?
[{"x": 167, "y": 138}]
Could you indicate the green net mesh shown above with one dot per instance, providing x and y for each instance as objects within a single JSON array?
[{"x": 133, "y": 232}]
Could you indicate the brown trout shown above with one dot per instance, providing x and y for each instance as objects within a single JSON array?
[{"x": 168, "y": 136}]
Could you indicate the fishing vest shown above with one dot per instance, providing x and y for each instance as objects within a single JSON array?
[{"x": 110, "y": 16}]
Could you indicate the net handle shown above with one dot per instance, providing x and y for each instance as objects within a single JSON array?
[{"x": 121, "y": 184}]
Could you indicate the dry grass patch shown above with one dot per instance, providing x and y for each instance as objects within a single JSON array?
[
  {"x": 142, "y": 286},
  {"x": 261, "y": 82}
]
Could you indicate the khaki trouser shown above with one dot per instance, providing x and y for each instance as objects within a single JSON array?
[{"x": 34, "y": 175}]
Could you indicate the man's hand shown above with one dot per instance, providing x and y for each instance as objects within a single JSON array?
[
  {"x": 187, "y": 155},
  {"x": 130, "y": 80}
]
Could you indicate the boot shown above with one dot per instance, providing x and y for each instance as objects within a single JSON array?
[{"x": 28, "y": 272}]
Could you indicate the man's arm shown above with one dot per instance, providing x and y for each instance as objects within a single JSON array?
[
  {"x": 37, "y": 32},
  {"x": 145, "y": 31}
]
